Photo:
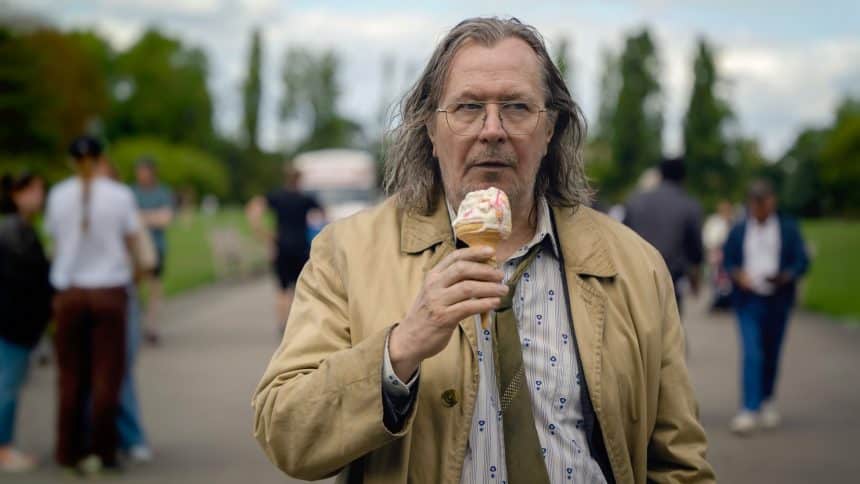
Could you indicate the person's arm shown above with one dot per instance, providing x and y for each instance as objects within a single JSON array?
[
  {"x": 677, "y": 448},
  {"x": 255, "y": 210},
  {"x": 319, "y": 405},
  {"x": 694, "y": 247}
]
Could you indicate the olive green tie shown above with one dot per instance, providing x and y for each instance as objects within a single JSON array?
[{"x": 523, "y": 456}]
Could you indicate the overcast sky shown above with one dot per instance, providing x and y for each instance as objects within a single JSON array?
[{"x": 786, "y": 63}]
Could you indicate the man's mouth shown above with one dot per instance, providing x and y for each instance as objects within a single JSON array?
[{"x": 492, "y": 164}]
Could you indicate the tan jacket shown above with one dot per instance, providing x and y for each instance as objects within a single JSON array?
[{"x": 318, "y": 408}]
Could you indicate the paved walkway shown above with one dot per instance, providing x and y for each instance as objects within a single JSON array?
[{"x": 196, "y": 392}]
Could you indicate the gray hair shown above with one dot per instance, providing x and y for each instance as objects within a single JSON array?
[{"x": 412, "y": 172}]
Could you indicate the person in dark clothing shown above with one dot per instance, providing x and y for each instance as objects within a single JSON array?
[
  {"x": 290, "y": 244},
  {"x": 25, "y": 301},
  {"x": 765, "y": 256},
  {"x": 671, "y": 220}
]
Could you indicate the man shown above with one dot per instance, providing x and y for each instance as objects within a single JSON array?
[
  {"x": 290, "y": 245},
  {"x": 384, "y": 373},
  {"x": 765, "y": 256},
  {"x": 156, "y": 206},
  {"x": 671, "y": 221}
]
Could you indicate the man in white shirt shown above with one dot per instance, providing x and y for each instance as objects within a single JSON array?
[
  {"x": 765, "y": 256},
  {"x": 92, "y": 220}
]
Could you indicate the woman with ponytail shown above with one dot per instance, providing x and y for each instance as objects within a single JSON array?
[
  {"x": 25, "y": 301},
  {"x": 93, "y": 221}
]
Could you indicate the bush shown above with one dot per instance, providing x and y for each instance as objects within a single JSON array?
[{"x": 179, "y": 166}]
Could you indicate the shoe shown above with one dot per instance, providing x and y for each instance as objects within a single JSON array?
[
  {"x": 15, "y": 461},
  {"x": 744, "y": 422},
  {"x": 90, "y": 466},
  {"x": 770, "y": 417},
  {"x": 140, "y": 454}
]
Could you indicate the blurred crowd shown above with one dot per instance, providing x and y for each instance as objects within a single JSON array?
[{"x": 107, "y": 240}]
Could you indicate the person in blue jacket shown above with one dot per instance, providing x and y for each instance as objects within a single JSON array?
[{"x": 765, "y": 256}]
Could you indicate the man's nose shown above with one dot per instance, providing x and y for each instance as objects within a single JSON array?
[{"x": 493, "y": 131}]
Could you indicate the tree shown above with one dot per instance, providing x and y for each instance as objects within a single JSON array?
[
  {"x": 710, "y": 175},
  {"x": 803, "y": 192},
  {"x": 161, "y": 90},
  {"x": 311, "y": 96},
  {"x": 637, "y": 123},
  {"x": 51, "y": 90},
  {"x": 840, "y": 160},
  {"x": 561, "y": 57},
  {"x": 251, "y": 93}
]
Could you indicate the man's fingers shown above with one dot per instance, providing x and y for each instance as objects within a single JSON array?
[
  {"x": 465, "y": 270},
  {"x": 472, "y": 307},
  {"x": 465, "y": 290},
  {"x": 475, "y": 254}
]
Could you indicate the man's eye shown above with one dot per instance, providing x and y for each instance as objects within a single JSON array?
[
  {"x": 469, "y": 107},
  {"x": 517, "y": 107}
]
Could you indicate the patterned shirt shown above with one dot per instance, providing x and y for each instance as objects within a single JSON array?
[{"x": 552, "y": 372}]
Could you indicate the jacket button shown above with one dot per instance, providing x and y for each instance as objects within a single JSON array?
[{"x": 449, "y": 398}]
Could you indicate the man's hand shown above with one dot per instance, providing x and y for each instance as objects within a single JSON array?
[
  {"x": 459, "y": 286},
  {"x": 742, "y": 279},
  {"x": 780, "y": 279}
]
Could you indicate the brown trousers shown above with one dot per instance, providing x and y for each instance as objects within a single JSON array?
[{"x": 90, "y": 343}]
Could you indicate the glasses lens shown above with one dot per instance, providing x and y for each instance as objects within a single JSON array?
[{"x": 467, "y": 119}]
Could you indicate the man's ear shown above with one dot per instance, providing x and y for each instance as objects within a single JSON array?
[{"x": 551, "y": 117}]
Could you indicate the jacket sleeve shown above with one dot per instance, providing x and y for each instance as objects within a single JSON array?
[
  {"x": 677, "y": 448},
  {"x": 319, "y": 405},
  {"x": 733, "y": 250},
  {"x": 798, "y": 259}
]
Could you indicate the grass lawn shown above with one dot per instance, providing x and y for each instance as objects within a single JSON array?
[
  {"x": 833, "y": 283},
  {"x": 190, "y": 259}
]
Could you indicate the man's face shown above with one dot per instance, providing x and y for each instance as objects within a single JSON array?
[
  {"x": 145, "y": 175},
  {"x": 762, "y": 208},
  {"x": 508, "y": 71}
]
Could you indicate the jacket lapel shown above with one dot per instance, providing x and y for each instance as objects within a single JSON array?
[{"x": 586, "y": 259}]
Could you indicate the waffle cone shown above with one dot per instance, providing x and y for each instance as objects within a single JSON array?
[{"x": 475, "y": 237}]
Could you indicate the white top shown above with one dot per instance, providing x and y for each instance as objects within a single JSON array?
[
  {"x": 715, "y": 232},
  {"x": 762, "y": 245},
  {"x": 552, "y": 371},
  {"x": 98, "y": 257}
]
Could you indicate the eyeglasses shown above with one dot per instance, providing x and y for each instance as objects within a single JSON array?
[{"x": 468, "y": 118}]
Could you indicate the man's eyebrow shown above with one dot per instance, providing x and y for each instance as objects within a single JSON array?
[{"x": 469, "y": 95}]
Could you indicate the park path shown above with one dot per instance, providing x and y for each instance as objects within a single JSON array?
[{"x": 196, "y": 392}]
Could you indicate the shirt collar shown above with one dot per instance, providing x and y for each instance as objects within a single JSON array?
[{"x": 543, "y": 229}]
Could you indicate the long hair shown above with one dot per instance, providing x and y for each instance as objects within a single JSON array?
[
  {"x": 412, "y": 172},
  {"x": 85, "y": 150}
]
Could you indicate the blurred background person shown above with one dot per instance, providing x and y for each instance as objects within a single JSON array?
[
  {"x": 671, "y": 220},
  {"x": 25, "y": 301},
  {"x": 291, "y": 245},
  {"x": 156, "y": 204},
  {"x": 92, "y": 221},
  {"x": 714, "y": 235},
  {"x": 132, "y": 437},
  {"x": 765, "y": 255}
]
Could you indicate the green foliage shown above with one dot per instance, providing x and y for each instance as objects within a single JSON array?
[
  {"x": 840, "y": 160},
  {"x": 51, "y": 90},
  {"x": 834, "y": 276},
  {"x": 160, "y": 90},
  {"x": 311, "y": 95},
  {"x": 179, "y": 166},
  {"x": 251, "y": 93},
  {"x": 803, "y": 192},
  {"x": 637, "y": 122},
  {"x": 561, "y": 57},
  {"x": 711, "y": 176}
]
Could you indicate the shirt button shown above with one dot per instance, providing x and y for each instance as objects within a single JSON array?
[{"x": 449, "y": 398}]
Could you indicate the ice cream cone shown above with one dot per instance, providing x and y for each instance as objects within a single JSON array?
[{"x": 489, "y": 238}]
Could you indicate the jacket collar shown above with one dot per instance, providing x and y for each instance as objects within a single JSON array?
[{"x": 583, "y": 247}]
